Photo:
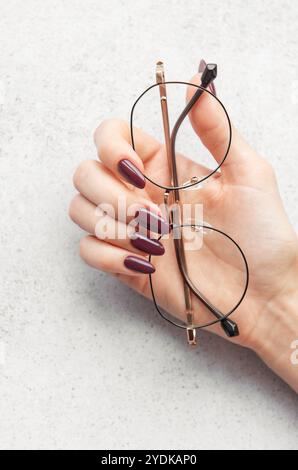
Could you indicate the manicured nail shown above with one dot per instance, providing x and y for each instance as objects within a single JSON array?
[
  {"x": 138, "y": 264},
  {"x": 201, "y": 69},
  {"x": 131, "y": 173},
  {"x": 202, "y": 66},
  {"x": 143, "y": 243},
  {"x": 153, "y": 222}
]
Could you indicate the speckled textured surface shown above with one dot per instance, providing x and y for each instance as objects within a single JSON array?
[{"x": 85, "y": 363}]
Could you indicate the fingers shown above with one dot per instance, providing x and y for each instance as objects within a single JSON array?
[
  {"x": 92, "y": 220},
  {"x": 210, "y": 123},
  {"x": 113, "y": 142},
  {"x": 97, "y": 184},
  {"x": 111, "y": 259}
]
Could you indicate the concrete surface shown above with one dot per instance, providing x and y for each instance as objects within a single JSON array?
[{"x": 85, "y": 363}]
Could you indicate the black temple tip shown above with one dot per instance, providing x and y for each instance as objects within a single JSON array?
[
  {"x": 209, "y": 74},
  {"x": 230, "y": 328}
]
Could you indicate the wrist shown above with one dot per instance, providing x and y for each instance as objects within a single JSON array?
[{"x": 276, "y": 342}]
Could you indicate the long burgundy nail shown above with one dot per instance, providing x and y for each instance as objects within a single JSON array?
[
  {"x": 138, "y": 264},
  {"x": 143, "y": 243},
  {"x": 153, "y": 222},
  {"x": 131, "y": 173},
  {"x": 202, "y": 67}
]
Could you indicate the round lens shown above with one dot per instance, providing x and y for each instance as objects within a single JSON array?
[
  {"x": 216, "y": 271},
  {"x": 193, "y": 161}
]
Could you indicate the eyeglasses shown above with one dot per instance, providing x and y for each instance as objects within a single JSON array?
[{"x": 206, "y": 256}]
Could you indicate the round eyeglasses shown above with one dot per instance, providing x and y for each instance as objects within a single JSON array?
[{"x": 213, "y": 270}]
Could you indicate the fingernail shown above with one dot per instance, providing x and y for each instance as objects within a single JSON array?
[
  {"x": 143, "y": 243},
  {"x": 201, "y": 69},
  {"x": 153, "y": 222},
  {"x": 202, "y": 66},
  {"x": 131, "y": 173},
  {"x": 138, "y": 264}
]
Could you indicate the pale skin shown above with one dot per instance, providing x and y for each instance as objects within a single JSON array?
[{"x": 243, "y": 201}]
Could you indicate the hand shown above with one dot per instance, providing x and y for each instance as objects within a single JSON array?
[{"x": 243, "y": 201}]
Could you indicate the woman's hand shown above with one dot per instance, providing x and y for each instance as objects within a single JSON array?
[{"x": 243, "y": 200}]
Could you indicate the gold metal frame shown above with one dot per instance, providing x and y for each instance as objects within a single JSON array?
[{"x": 179, "y": 243}]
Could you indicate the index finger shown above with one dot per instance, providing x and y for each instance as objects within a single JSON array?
[{"x": 113, "y": 142}]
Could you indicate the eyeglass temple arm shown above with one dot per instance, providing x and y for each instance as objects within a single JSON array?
[
  {"x": 229, "y": 326},
  {"x": 160, "y": 79}
]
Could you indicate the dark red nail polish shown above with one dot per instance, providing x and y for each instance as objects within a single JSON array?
[
  {"x": 131, "y": 173},
  {"x": 139, "y": 264},
  {"x": 153, "y": 222},
  {"x": 202, "y": 66},
  {"x": 201, "y": 69},
  {"x": 143, "y": 243}
]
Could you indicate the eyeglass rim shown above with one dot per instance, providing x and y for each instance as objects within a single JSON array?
[
  {"x": 189, "y": 185},
  {"x": 224, "y": 317}
]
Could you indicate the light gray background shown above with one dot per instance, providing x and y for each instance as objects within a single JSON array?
[{"x": 86, "y": 363}]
